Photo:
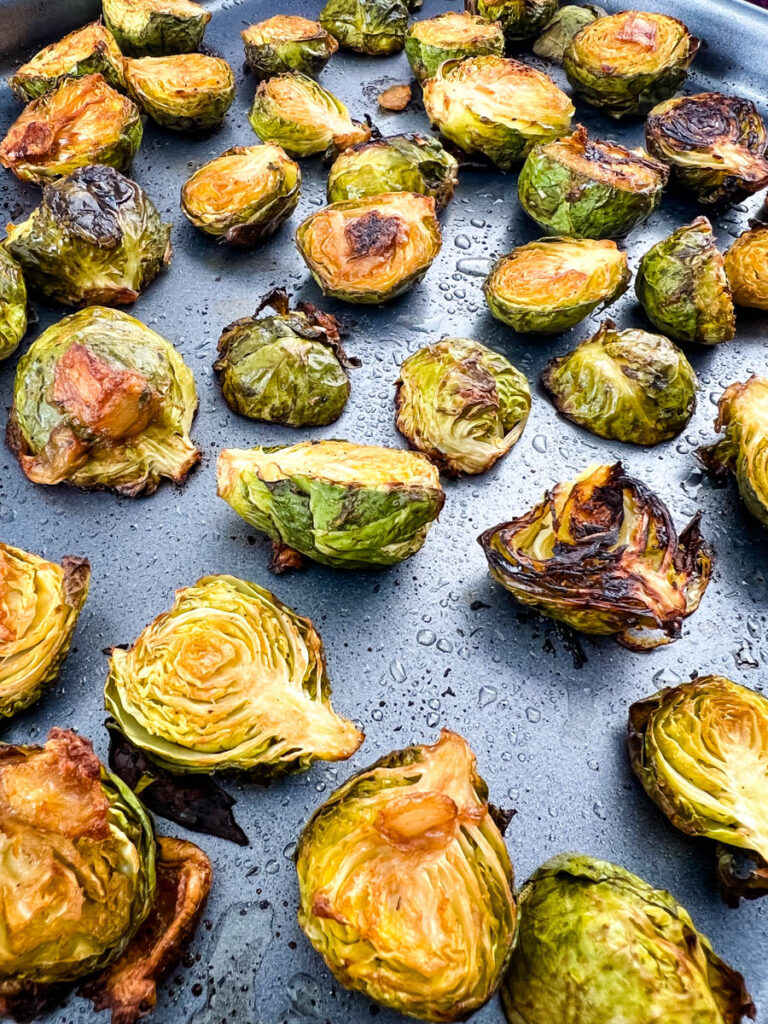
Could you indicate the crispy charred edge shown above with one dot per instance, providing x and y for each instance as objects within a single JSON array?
[
  {"x": 77, "y": 578},
  {"x": 718, "y": 458},
  {"x": 285, "y": 558},
  {"x": 605, "y": 152},
  {"x": 25, "y": 1001},
  {"x": 741, "y": 875}
]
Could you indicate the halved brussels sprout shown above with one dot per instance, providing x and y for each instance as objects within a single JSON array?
[
  {"x": 715, "y": 145},
  {"x": 156, "y": 28},
  {"x": 101, "y": 401},
  {"x": 549, "y": 285},
  {"x": 96, "y": 238},
  {"x": 461, "y": 404},
  {"x": 683, "y": 288},
  {"x": 568, "y": 20},
  {"x": 602, "y": 554},
  {"x": 520, "y": 19},
  {"x": 624, "y": 385},
  {"x": 406, "y": 885},
  {"x": 82, "y": 121},
  {"x": 298, "y": 114},
  {"x": 373, "y": 249},
  {"x": 746, "y": 267},
  {"x": 628, "y": 62},
  {"x": 287, "y": 42},
  {"x": 352, "y": 506},
  {"x": 396, "y": 163},
  {"x": 588, "y": 188},
  {"x": 376, "y": 27},
  {"x": 39, "y": 605},
  {"x": 86, "y": 51},
  {"x": 184, "y": 92},
  {"x": 244, "y": 195},
  {"x": 286, "y": 368},
  {"x": 450, "y": 36},
  {"x": 13, "y": 305},
  {"x": 597, "y": 944},
  {"x": 496, "y": 107}
]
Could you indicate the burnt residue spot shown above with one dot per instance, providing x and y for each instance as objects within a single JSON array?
[
  {"x": 30, "y": 1001},
  {"x": 373, "y": 234}
]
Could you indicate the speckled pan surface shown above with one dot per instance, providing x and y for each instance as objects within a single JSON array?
[{"x": 433, "y": 642}]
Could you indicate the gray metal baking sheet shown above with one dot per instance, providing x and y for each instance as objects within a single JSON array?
[{"x": 431, "y": 643}]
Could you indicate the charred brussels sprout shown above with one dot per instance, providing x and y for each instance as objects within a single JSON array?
[
  {"x": 373, "y": 249},
  {"x": 352, "y": 506},
  {"x": 450, "y": 36},
  {"x": 13, "y": 305},
  {"x": 601, "y": 553},
  {"x": 100, "y": 400},
  {"x": 156, "y": 28},
  {"x": 746, "y": 267},
  {"x": 184, "y": 92},
  {"x": 96, "y": 238},
  {"x": 520, "y": 19},
  {"x": 628, "y": 62},
  {"x": 549, "y": 285},
  {"x": 376, "y": 27},
  {"x": 244, "y": 195},
  {"x": 89, "y": 50},
  {"x": 568, "y": 20},
  {"x": 82, "y": 121},
  {"x": 683, "y": 288},
  {"x": 39, "y": 605},
  {"x": 496, "y": 107},
  {"x": 406, "y": 885},
  {"x": 624, "y": 385},
  {"x": 287, "y": 42}
]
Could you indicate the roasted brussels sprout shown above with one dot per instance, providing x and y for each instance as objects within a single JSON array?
[
  {"x": 86, "y": 51},
  {"x": 397, "y": 163},
  {"x": 376, "y": 27},
  {"x": 627, "y": 62},
  {"x": 596, "y": 944},
  {"x": 405, "y": 884},
  {"x": 295, "y": 112},
  {"x": 287, "y": 42},
  {"x": 39, "y": 605},
  {"x": 156, "y": 28},
  {"x": 624, "y": 385},
  {"x": 450, "y": 36},
  {"x": 549, "y": 285},
  {"x": 244, "y": 195},
  {"x": 13, "y": 305},
  {"x": 520, "y": 19},
  {"x": 352, "y": 506},
  {"x": 715, "y": 145},
  {"x": 683, "y": 288},
  {"x": 588, "y": 188},
  {"x": 373, "y": 249},
  {"x": 96, "y": 238},
  {"x": 184, "y": 92},
  {"x": 568, "y": 20},
  {"x": 101, "y": 401},
  {"x": 496, "y": 107},
  {"x": 601, "y": 554},
  {"x": 82, "y": 121},
  {"x": 461, "y": 404},
  {"x": 746, "y": 267}
]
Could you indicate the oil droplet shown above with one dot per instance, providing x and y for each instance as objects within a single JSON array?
[
  {"x": 272, "y": 867},
  {"x": 599, "y": 810},
  {"x": 666, "y": 677},
  {"x": 540, "y": 443},
  {"x": 397, "y": 671},
  {"x": 462, "y": 242},
  {"x": 486, "y": 695},
  {"x": 445, "y": 646},
  {"x": 475, "y": 266},
  {"x": 426, "y": 637},
  {"x": 533, "y": 714}
]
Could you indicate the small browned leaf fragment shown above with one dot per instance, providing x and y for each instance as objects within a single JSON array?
[{"x": 396, "y": 98}]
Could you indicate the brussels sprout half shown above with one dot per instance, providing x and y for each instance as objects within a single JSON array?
[
  {"x": 184, "y": 92},
  {"x": 406, "y": 885},
  {"x": 13, "y": 305},
  {"x": 101, "y": 401},
  {"x": 375, "y": 27},
  {"x": 450, "y": 36},
  {"x": 156, "y": 28},
  {"x": 568, "y": 20},
  {"x": 746, "y": 267},
  {"x": 549, "y": 285},
  {"x": 287, "y": 42},
  {"x": 86, "y": 51},
  {"x": 351, "y": 506},
  {"x": 520, "y": 19},
  {"x": 601, "y": 553}
]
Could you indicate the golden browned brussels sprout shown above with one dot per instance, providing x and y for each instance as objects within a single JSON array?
[
  {"x": 156, "y": 28},
  {"x": 624, "y": 385},
  {"x": 406, "y": 885},
  {"x": 601, "y": 554},
  {"x": 287, "y": 42},
  {"x": 86, "y": 51},
  {"x": 13, "y": 305},
  {"x": 746, "y": 267},
  {"x": 82, "y": 121},
  {"x": 376, "y": 27},
  {"x": 373, "y": 249},
  {"x": 549, "y": 285},
  {"x": 450, "y": 36},
  {"x": 520, "y": 19},
  {"x": 568, "y": 20},
  {"x": 184, "y": 92},
  {"x": 628, "y": 62},
  {"x": 496, "y": 107}
]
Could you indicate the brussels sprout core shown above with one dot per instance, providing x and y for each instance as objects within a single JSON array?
[
  {"x": 746, "y": 266},
  {"x": 376, "y": 27},
  {"x": 86, "y": 51},
  {"x": 13, "y": 305},
  {"x": 520, "y": 19},
  {"x": 156, "y": 28},
  {"x": 287, "y": 42},
  {"x": 450, "y": 36},
  {"x": 184, "y": 92}
]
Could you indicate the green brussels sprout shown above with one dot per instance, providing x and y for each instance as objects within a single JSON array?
[
  {"x": 373, "y": 249},
  {"x": 549, "y": 285},
  {"x": 520, "y": 19},
  {"x": 450, "y": 36},
  {"x": 405, "y": 884},
  {"x": 287, "y": 42},
  {"x": 297, "y": 113},
  {"x": 568, "y": 20},
  {"x": 39, "y": 606},
  {"x": 156, "y": 28},
  {"x": 96, "y": 238},
  {"x": 628, "y": 62},
  {"x": 184, "y": 92},
  {"x": 624, "y": 385},
  {"x": 715, "y": 145},
  {"x": 375, "y": 27},
  {"x": 82, "y": 121},
  {"x": 588, "y": 188},
  {"x": 461, "y": 404},
  {"x": 496, "y": 106},
  {"x": 682, "y": 285},
  {"x": 287, "y": 368},
  {"x": 244, "y": 195},
  {"x": 746, "y": 267},
  {"x": 351, "y": 506},
  {"x": 13, "y": 305},
  {"x": 396, "y": 163},
  {"x": 602, "y": 554},
  {"x": 101, "y": 401},
  {"x": 86, "y": 51},
  {"x": 596, "y": 944}
]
